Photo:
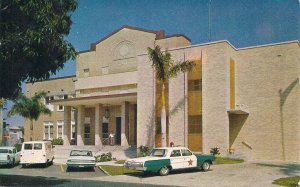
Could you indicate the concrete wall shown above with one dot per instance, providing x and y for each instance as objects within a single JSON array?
[{"x": 267, "y": 84}]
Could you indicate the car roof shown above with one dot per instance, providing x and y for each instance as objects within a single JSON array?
[
  {"x": 80, "y": 150},
  {"x": 38, "y": 142},
  {"x": 171, "y": 148},
  {"x": 7, "y": 147}
]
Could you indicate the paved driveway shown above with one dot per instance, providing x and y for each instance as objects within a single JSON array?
[{"x": 260, "y": 174}]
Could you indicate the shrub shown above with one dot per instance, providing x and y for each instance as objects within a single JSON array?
[
  {"x": 18, "y": 147},
  {"x": 215, "y": 151},
  {"x": 57, "y": 141},
  {"x": 104, "y": 157},
  {"x": 144, "y": 151}
]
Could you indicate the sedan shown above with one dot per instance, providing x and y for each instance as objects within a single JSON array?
[
  {"x": 9, "y": 156},
  {"x": 81, "y": 159}
]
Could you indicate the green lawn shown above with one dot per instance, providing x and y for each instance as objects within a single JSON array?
[
  {"x": 288, "y": 181},
  {"x": 117, "y": 170},
  {"x": 223, "y": 160}
]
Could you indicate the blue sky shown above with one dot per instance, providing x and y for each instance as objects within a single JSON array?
[{"x": 242, "y": 22}]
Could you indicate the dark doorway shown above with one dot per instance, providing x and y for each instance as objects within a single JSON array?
[
  {"x": 105, "y": 130},
  {"x": 118, "y": 130}
]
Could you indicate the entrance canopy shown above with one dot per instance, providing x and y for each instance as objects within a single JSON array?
[{"x": 115, "y": 99}]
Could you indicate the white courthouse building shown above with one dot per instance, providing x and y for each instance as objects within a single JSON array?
[{"x": 243, "y": 100}]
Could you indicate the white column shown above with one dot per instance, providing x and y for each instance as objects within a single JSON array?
[
  {"x": 124, "y": 123},
  {"x": 98, "y": 124},
  {"x": 67, "y": 125},
  {"x": 80, "y": 123}
]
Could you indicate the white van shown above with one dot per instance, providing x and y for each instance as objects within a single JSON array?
[{"x": 36, "y": 152}]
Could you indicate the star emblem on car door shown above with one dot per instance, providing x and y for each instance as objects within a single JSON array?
[{"x": 190, "y": 162}]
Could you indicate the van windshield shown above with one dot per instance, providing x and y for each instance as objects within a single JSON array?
[
  {"x": 38, "y": 146},
  {"x": 3, "y": 150}
]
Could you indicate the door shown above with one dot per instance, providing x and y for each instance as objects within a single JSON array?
[
  {"x": 118, "y": 131},
  {"x": 105, "y": 133},
  {"x": 176, "y": 159},
  {"x": 87, "y": 134},
  {"x": 189, "y": 160},
  {"x": 27, "y": 153}
]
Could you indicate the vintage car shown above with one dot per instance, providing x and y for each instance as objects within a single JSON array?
[
  {"x": 9, "y": 156},
  {"x": 81, "y": 159},
  {"x": 165, "y": 159}
]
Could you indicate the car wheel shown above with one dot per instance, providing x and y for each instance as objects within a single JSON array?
[
  {"x": 205, "y": 166},
  {"x": 13, "y": 163},
  {"x": 164, "y": 171}
]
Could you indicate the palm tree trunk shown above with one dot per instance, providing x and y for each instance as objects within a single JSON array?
[
  {"x": 1, "y": 124},
  {"x": 163, "y": 118},
  {"x": 31, "y": 129}
]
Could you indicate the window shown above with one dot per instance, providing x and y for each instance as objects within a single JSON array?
[
  {"x": 48, "y": 104},
  {"x": 175, "y": 153},
  {"x": 60, "y": 129},
  {"x": 195, "y": 85},
  {"x": 195, "y": 124},
  {"x": 186, "y": 152},
  {"x": 28, "y": 146},
  {"x": 87, "y": 130},
  {"x": 73, "y": 130},
  {"x": 86, "y": 72},
  {"x": 37, "y": 146},
  {"x": 48, "y": 130},
  {"x": 60, "y": 108}
]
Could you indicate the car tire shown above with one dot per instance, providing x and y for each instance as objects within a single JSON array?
[
  {"x": 164, "y": 171},
  {"x": 13, "y": 163},
  {"x": 205, "y": 166}
]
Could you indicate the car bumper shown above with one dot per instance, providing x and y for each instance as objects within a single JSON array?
[
  {"x": 136, "y": 168},
  {"x": 81, "y": 165},
  {"x": 4, "y": 162}
]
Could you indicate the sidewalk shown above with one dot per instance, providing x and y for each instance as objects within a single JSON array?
[{"x": 246, "y": 174}]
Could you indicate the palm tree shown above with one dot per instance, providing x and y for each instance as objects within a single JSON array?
[
  {"x": 30, "y": 108},
  {"x": 2, "y": 104},
  {"x": 165, "y": 69}
]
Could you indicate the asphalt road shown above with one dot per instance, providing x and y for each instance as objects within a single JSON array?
[
  {"x": 56, "y": 171},
  {"x": 56, "y": 175}
]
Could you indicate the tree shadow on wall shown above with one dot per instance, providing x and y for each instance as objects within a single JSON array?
[{"x": 283, "y": 95}]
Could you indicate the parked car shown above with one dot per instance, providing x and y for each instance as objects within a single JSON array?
[
  {"x": 37, "y": 152},
  {"x": 9, "y": 156},
  {"x": 165, "y": 159},
  {"x": 81, "y": 159}
]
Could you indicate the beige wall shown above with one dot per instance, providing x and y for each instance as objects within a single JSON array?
[
  {"x": 52, "y": 87},
  {"x": 263, "y": 73}
]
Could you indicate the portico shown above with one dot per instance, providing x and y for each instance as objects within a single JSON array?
[{"x": 98, "y": 116}]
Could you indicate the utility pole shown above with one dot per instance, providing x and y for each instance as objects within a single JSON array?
[{"x": 209, "y": 20}]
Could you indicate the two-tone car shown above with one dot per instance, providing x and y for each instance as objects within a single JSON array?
[
  {"x": 81, "y": 159},
  {"x": 9, "y": 156},
  {"x": 165, "y": 159}
]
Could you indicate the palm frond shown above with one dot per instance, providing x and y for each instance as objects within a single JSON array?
[{"x": 181, "y": 67}]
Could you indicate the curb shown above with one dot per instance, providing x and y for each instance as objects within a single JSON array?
[{"x": 104, "y": 171}]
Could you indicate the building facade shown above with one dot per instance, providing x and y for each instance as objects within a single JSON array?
[{"x": 244, "y": 101}]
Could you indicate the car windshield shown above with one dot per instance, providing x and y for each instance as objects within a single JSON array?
[
  {"x": 158, "y": 152},
  {"x": 81, "y": 153},
  {"x": 3, "y": 150}
]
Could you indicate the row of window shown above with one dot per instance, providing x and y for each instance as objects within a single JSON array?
[
  {"x": 60, "y": 108},
  {"x": 49, "y": 133}
]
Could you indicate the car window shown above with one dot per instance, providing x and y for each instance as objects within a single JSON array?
[
  {"x": 3, "y": 150},
  {"x": 158, "y": 152},
  {"x": 14, "y": 150},
  {"x": 186, "y": 152},
  {"x": 28, "y": 146},
  {"x": 38, "y": 146},
  {"x": 9, "y": 151},
  {"x": 175, "y": 153},
  {"x": 81, "y": 153}
]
